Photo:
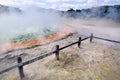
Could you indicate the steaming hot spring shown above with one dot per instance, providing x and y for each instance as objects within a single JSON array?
[
  {"x": 20, "y": 42},
  {"x": 27, "y": 30},
  {"x": 33, "y": 33}
]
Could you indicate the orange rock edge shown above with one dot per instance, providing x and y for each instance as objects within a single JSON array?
[{"x": 31, "y": 42}]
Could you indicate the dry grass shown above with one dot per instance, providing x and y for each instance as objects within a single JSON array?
[{"x": 94, "y": 61}]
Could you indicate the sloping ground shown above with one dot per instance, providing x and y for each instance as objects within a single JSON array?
[{"x": 93, "y": 61}]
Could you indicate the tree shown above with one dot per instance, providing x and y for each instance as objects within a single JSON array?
[
  {"x": 78, "y": 10},
  {"x": 71, "y": 10}
]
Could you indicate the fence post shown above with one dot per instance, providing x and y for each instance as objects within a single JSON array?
[
  {"x": 91, "y": 37},
  {"x": 57, "y": 52},
  {"x": 20, "y": 68},
  {"x": 79, "y": 42}
]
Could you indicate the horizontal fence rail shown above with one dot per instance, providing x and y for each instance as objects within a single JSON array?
[
  {"x": 21, "y": 64},
  {"x": 107, "y": 39},
  {"x": 73, "y": 43},
  {"x": 8, "y": 69},
  {"x": 27, "y": 62},
  {"x": 39, "y": 57}
]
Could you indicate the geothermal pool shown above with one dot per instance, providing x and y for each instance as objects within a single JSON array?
[
  {"x": 22, "y": 30},
  {"x": 30, "y": 28}
]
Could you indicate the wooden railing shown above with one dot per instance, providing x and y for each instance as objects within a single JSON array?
[{"x": 21, "y": 64}]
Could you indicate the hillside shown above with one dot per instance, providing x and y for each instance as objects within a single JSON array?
[{"x": 109, "y": 12}]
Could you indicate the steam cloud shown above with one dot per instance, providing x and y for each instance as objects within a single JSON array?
[
  {"x": 32, "y": 20},
  {"x": 107, "y": 12},
  {"x": 103, "y": 21},
  {"x": 35, "y": 20}
]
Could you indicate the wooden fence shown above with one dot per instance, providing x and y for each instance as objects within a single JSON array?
[{"x": 21, "y": 64}]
